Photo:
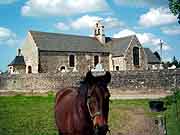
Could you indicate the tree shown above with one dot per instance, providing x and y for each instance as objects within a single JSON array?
[
  {"x": 175, "y": 62},
  {"x": 174, "y": 6},
  {"x": 178, "y": 65}
]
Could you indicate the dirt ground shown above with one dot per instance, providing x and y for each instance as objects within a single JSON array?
[{"x": 134, "y": 121}]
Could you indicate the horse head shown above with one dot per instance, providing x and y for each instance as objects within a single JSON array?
[{"x": 98, "y": 101}]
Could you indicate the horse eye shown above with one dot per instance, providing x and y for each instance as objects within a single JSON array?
[{"x": 107, "y": 95}]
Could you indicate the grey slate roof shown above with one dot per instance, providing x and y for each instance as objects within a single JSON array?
[
  {"x": 151, "y": 57},
  {"x": 19, "y": 60},
  {"x": 119, "y": 45},
  {"x": 68, "y": 43}
]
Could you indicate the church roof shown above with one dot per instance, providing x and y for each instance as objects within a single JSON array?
[
  {"x": 151, "y": 57},
  {"x": 72, "y": 43},
  {"x": 68, "y": 43},
  {"x": 120, "y": 45},
  {"x": 19, "y": 60}
]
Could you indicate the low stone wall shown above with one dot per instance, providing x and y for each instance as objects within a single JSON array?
[
  {"x": 39, "y": 81},
  {"x": 129, "y": 80},
  {"x": 146, "y": 80}
]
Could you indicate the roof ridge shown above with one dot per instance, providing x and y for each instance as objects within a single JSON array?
[
  {"x": 31, "y": 31},
  {"x": 84, "y": 36}
]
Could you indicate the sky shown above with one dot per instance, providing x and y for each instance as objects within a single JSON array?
[{"x": 150, "y": 20}]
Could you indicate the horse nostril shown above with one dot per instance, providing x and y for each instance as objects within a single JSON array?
[{"x": 103, "y": 129}]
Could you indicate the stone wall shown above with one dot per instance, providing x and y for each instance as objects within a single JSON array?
[
  {"x": 131, "y": 80},
  {"x": 146, "y": 80}
]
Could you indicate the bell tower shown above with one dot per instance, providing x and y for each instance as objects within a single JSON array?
[{"x": 99, "y": 32}]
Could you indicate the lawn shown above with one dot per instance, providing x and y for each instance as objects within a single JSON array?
[{"x": 33, "y": 115}]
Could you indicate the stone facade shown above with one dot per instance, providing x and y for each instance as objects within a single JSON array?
[
  {"x": 125, "y": 62},
  {"x": 154, "y": 66},
  {"x": 19, "y": 69},
  {"x": 54, "y": 61},
  {"x": 129, "y": 56}
]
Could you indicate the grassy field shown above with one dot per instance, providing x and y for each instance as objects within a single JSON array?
[{"x": 26, "y": 115}]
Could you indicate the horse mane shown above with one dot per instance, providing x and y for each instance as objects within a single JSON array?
[
  {"x": 90, "y": 80},
  {"x": 83, "y": 90},
  {"x": 85, "y": 84}
]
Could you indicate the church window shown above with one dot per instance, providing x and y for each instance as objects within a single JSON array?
[
  {"x": 96, "y": 60},
  {"x": 117, "y": 68},
  {"x": 29, "y": 69},
  {"x": 136, "y": 56},
  {"x": 71, "y": 61},
  {"x": 62, "y": 68}
]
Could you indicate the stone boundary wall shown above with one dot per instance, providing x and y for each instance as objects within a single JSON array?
[{"x": 124, "y": 80}]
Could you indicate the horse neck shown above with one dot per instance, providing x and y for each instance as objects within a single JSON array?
[{"x": 83, "y": 91}]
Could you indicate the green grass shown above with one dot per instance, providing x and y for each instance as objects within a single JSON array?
[
  {"x": 173, "y": 114},
  {"x": 27, "y": 115}
]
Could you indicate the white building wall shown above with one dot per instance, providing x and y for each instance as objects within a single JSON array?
[{"x": 31, "y": 54}]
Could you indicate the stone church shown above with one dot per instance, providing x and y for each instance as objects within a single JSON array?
[{"x": 44, "y": 52}]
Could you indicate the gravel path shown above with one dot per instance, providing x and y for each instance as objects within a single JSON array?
[{"x": 153, "y": 94}]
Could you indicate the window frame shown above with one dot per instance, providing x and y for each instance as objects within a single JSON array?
[
  {"x": 136, "y": 56},
  {"x": 72, "y": 60},
  {"x": 96, "y": 61}
]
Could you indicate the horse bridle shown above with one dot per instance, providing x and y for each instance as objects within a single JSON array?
[
  {"x": 89, "y": 110},
  {"x": 98, "y": 113},
  {"x": 95, "y": 114}
]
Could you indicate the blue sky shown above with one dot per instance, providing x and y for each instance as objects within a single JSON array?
[{"x": 150, "y": 20}]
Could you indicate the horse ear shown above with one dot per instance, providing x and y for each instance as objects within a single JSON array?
[
  {"x": 89, "y": 78},
  {"x": 107, "y": 77}
]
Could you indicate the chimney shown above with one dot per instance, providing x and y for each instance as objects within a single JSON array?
[{"x": 18, "y": 52}]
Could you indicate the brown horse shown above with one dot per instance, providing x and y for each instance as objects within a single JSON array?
[{"x": 84, "y": 110}]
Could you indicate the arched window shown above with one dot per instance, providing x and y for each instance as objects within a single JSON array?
[
  {"x": 96, "y": 60},
  {"x": 136, "y": 56},
  {"x": 117, "y": 68},
  {"x": 62, "y": 68},
  {"x": 29, "y": 69},
  {"x": 71, "y": 61}
]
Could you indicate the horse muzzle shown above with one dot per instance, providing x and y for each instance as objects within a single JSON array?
[{"x": 101, "y": 130}]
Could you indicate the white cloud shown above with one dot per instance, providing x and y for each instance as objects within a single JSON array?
[
  {"x": 7, "y": 1},
  {"x": 62, "y": 26},
  {"x": 62, "y": 7},
  {"x": 157, "y": 17},
  {"x": 111, "y": 22},
  {"x": 88, "y": 22},
  {"x": 141, "y": 3},
  {"x": 7, "y": 37},
  {"x": 85, "y": 22},
  {"x": 124, "y": 33},
  {"x": 146, "y": 39},
  {"x": 175, "y": 30}
]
